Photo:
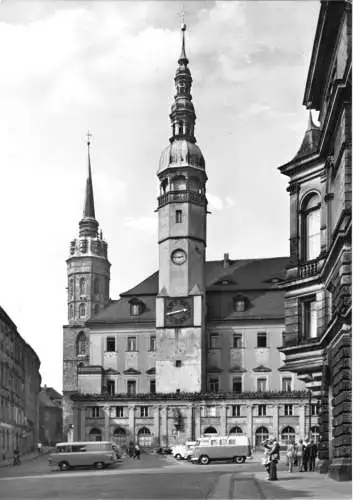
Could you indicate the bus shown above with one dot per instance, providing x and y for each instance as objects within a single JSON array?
[
  {"x": 234, "y": 447},
  {"x": 98, "y": 454}
]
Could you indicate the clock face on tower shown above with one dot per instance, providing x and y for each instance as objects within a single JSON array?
[
  {"x": 178, "y": 256},
  {"x": 178, "y": 311}
]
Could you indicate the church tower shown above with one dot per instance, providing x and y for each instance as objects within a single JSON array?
[
  {"x": 182, "y": 209},
  {"x": 88, "y": 268}
]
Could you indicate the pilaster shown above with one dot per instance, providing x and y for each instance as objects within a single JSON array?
[
  {"x": 197, "y": 422},
  {"x": 250, "y": 408},
  {"x": 275, "y": 421},
  {"x": 223, "y": 420},
  {"x": 156, "y": 425},
  {"x": 132, "y": 420},
  {"x": 302, "y": 410}
]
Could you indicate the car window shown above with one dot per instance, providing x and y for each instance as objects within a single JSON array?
[
  {"x": 62, "y": 449},
  {"x": 77, "y": 448},
  {"x": 231, "y": 441}
]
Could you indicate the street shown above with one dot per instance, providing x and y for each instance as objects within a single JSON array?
[{"x": 162, "y": 477}]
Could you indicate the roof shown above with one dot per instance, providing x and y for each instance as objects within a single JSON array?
[{"x": 254, "y": 279}]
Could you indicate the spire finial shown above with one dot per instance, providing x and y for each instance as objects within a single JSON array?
[
  {"x": 183, "y": 27},
  {"x": 88, "y": 135},
  {"x": 88, "y": 209}
]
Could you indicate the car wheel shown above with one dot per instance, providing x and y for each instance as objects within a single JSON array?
[
  {"x": 238, "y": 460},
  {"x": 64, "y": 466},
  {"x": 188, "y": 458},
  {"x": 204, "y": 460},
  {"x": 99, "y": 465},
  {"x": 178, "y": 456},
  {"x": 243, "y": 460}
]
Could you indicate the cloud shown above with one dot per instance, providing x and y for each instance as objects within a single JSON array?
[{"x": 214, "y": 202}]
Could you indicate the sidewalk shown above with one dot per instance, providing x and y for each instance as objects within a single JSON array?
[
  {"x": 301, "y": 485},
  {"x": 26, "y": 458}
]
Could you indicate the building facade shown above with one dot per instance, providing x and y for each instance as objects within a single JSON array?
[
  {"x": 50, "y": 416},
  {"x": 19, "y": 389},
  {"x": 192, "y": 349},
  {"x": 317, "y": 340}
]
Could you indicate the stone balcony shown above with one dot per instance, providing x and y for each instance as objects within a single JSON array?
[
  {"x": 308, "y": 269},
  {"x": 181, "y": 197}
]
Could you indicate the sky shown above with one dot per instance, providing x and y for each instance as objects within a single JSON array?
[{"x": 108, "y": 67}]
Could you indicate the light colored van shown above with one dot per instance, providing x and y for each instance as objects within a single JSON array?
[
  {"x": 99, "y": 454},
  {"x": 184, "y": 451},
  {"x": 235, "y": 448}
]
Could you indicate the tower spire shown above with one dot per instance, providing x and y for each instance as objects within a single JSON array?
[{"x": 88, "y": 224}]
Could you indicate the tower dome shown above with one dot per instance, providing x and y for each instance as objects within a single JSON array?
[{"x": 181, "y": 153}]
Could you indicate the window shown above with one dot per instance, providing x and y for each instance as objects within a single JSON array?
[
  {"x": 110, "y": 344},
  {"x": 214, "y": 341},
  {"x": 261, "y": 339},
  {"x": 178, "y": 363},
  {"x": 71, "y": 288},
  {"x": 111, "y": 387},
  {"x": 178, "y": 216},
  {"x": 135, "y": 309},
  {"x": 309, "y": 311},
  {"x": 119, "y": 412},
  {"x": 288, "y": 410},
  {"x": 209, "y": 411},
  {"x": 286, "y": 384},
  {"x": 152, "y": 386},
  {"x": 82, "y": 286},
  {"x": 144, "y": 411},
  {"x": 214, "y": 385},
  {"x": 237, "y": 341},
  {"x": 131, "y": 344},
  {"x": 235, "y": 410},
  {"x": 81, "y": 344},
  {"x": 95, "y": 411},
  {"x": 152, "y": 343},
  {"x": 311, "y": 227},
  {"x": 131, "y": 386},
  {"x": 261, "y": 385},
  {"x": 82, "y": 310},
  {"x": 315, "y": 409},
  {"x": 96, "y": 285},
  {"x": 237, "y": 385},
  {"x": 239, "y": 305},
  {"x": 262, "y": 410}
]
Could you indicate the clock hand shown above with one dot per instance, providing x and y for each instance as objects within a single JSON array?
[{"x": 176, "y": 312}]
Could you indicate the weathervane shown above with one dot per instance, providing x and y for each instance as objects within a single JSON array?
[{"x": 88, "y": 135}]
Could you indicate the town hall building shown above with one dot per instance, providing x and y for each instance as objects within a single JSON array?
[{"x": 193, "y": 348}]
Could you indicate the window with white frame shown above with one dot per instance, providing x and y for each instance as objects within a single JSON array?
[
  {"x": 152, "y": 343},
  {"x": 131, "y": 386},
  {"x": 288, "y": 410},
  {"x": 110, "y": 344},
  {"x": 94, "y": 411},
  {"x": 152, "y": 386},
  {"x": 214, "y": 341},
  {"x": 144, "y": 411},
  {"x": 131, "y": 344},
  {"x": 214, "y": 384},
  {"x": 309, "y": 313},
  {"x": 261, "y": 385},
  {"x": 111, "y": 387},
  {"x": 237, "y": 340},
  {"x": 286, "y": 384},
  {"x": 261, "y": 410},
  {"x": 209, "y": 411},
  {"x": 311, "y": 238},
  {"x": 261, "y": 339},
  {"x": 237, "y": 384},
  {"x": 315, "y": 409},
  {"x": 235, "y": 410},
  {"x": 119, "y": 412}
]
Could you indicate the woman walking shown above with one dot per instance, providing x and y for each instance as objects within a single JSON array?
[
  {"x": 300, "y": 455},
  {"x": 274, "y": 459}
]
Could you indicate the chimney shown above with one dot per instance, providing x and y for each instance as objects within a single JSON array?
[{"x": 226, "y": 260}]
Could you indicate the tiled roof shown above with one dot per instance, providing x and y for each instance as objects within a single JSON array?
[{"x": 255, "y": 279}]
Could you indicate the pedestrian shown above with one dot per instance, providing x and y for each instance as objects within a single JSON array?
[
  {"x": 16, "y": 457},
  {"x": 312, "y": 455},
  {"x": 291, "y": 454},
  {"x": 137, "y": 451},
  {"x": 306, "y": 454},
  {"x": 39, "y": 448},
  {"x": 131, "y": 450},
  {"x": 266, "y": 460},
  {"x": 300, "y": 455},
  {"x": 274, "y": 459}
]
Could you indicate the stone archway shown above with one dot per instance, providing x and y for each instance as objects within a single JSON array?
[
  {"x": 287, "y": 435},
  {"x": 236, "y": 430},
  {"x": 210, "y": 430},
  {"x": 119, "y": 436},
  {"x": 144, "y": 437},
  {"x": 95, "y": 435},
  {"x": 260, "y": 435}
]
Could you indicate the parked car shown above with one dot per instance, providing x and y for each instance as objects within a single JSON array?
[
  {"x": 165, "y": 451},
  {"x": 184, "y": 451},
  {"x": 99, "y": 454},
  {"x": 236, "y": 448}
]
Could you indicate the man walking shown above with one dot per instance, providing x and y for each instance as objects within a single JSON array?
[{"x": 312, "y": 455}]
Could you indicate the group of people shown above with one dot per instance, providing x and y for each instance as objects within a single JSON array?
[
  {"x": 134, "y": 451},
  {"x": 302, "y": 454}
]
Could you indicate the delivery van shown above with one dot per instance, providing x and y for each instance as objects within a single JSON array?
[
  {"x": 236, "y": 448},
  {"x": 98, "y": 454}
]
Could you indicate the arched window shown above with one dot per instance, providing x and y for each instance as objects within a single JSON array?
[
  {"x": 82, "y": 310},
  {"x": 119, "y": 436},
  {"x": 95, "y": 435},
  {"x": 260, "y": 435},
  {"x": 236, "y": 430},
  {"x": 82, "y": 286},
  {"x": 210, "y": 430},
  {"x": 287, "y": 435},
  {"x": 311, "y": 227},
  {"x": 315, "y": 433},
  {"x": 144, "y": 437},
  {"x": 71, "y": 311},
  {"x": 81, "y": 343}
]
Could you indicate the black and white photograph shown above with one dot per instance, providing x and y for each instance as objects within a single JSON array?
[{"x": 175, "y": 283}]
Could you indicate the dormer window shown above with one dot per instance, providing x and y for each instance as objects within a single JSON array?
[
  {"x": 136, "y": 306},
  {"x": 239, "y": 303}
]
